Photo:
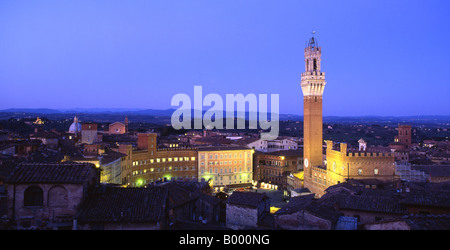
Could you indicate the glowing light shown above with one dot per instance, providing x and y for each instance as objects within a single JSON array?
[
  {"x": 274, "y": 209},
  {"x": 139, "y": 182}
]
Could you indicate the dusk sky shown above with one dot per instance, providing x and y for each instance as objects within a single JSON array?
[{"x": 381, "y": 57}]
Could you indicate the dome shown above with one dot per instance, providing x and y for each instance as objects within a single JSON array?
[{"x": 75, "y": 127}]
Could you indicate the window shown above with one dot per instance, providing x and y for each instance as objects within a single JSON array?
[
  {"x": 359, "y": 171},
  {"x": 375, "y": 171},
  {"x": 33, "y": 196},
  {"x": 57, "y": 197}
]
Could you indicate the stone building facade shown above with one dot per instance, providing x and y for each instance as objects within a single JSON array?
[
  {"x": 48, "y": 195},
  {"x": 246, "y": 209},
  {"x": 226, "y": 166},
  {"x": 148, "y": 164},
  {"x": 313, "y": 84},
  {"x": 275, "y": 167},
  {"x": 343, "y": 164}
]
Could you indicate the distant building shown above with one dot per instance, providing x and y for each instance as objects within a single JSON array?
[
  {"x": 402, "y": 144},
  {"x": 48, "y": 138},
  {"x": 89, "y": 133},
  {"x": 269, "y": 146},
  {"x": 75, "y": 127},
  {"x": 275, "y": 167},
  {"x": 118, "y": 127}
]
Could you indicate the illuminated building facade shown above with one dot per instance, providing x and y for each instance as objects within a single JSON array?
[
  {"x": 342, "y": 164},
  {"x": 313, "y": 84},
  {"x": 275, "y": 167},
  {"x": 226, "y": 166},
  {"x": 149, "y": 164},
  {"x": 118, "y": 127}
]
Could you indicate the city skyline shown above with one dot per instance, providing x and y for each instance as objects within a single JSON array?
[{"x": 381, "y": 58}]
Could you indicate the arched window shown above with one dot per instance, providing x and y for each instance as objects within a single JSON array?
[
  {"x": 33, "y": 196},
  {"x": 315, "y": 64},
  {"x": 57, "y": 197}
]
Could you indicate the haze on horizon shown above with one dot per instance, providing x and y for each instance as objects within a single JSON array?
[{"x": 387, "y": 58}]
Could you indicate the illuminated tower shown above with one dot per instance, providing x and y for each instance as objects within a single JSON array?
[{"x": 313, "y": 83}]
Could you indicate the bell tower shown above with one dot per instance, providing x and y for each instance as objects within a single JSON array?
[{"x": 313, "y": 84}]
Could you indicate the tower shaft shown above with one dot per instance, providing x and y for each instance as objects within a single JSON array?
[{"x": 313, "y": 84}]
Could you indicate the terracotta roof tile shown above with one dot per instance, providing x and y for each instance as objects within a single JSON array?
[
  {"x": 51, "y": 173},
  {"x": 116, "y": 204}
]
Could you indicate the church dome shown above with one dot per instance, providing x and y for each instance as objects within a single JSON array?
[{"x": 75, "y": 127}]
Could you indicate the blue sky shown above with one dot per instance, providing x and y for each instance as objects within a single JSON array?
[{"x": 380, "y": 57}]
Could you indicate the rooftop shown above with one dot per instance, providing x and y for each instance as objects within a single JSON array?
[
  {"x": 115, "y": 204},
  {"x": 250, "y": 199},
  {"x": 51, "y": 173}
]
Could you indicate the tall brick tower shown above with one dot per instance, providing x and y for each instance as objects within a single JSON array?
[
  {"x": 404, "y": 135},
  {"x": 313, "y": 83}
]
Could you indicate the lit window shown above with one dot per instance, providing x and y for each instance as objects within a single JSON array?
[
  {"x": 375, "y": 171},
  {"x": 359, "y": 171}
]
